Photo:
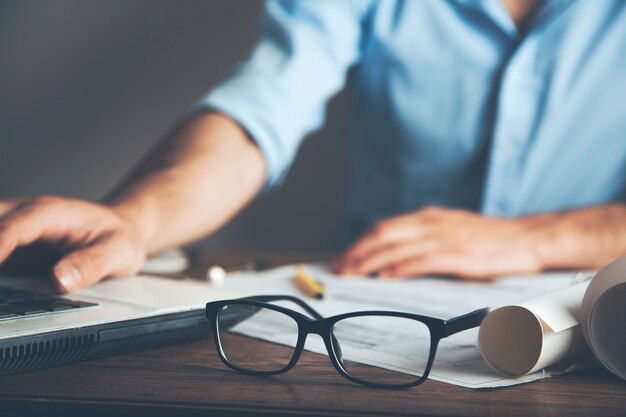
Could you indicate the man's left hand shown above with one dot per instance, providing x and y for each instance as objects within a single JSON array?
[{"x": 445, "y": 242}]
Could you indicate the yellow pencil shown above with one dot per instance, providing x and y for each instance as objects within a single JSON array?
[{"x": 306, "y": 284}]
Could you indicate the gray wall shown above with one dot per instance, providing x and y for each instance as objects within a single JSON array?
[{"x": 87, "y": 87}]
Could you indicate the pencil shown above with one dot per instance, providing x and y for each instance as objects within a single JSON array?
[{"x": 310, "y": 287}]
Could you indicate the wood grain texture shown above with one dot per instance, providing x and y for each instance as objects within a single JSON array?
[{"x": 189, "y": 379}]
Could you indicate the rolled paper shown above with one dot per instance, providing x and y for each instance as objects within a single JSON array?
[
  {"x": 522, "y": 338},
  {"x": 604, "y": 317},
  {"x": 519, "y": 339}
]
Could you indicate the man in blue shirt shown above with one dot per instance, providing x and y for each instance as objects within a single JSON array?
[{"x": 492, "y": 141}]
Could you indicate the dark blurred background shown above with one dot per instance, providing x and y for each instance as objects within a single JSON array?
[{"x": 87, "y": 87}]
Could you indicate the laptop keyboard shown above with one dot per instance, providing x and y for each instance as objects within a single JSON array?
[{"x": 16, "y": 304}]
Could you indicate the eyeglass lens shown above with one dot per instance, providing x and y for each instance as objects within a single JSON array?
[
  {"x": 378, "y": 340},
  {"x": 265, "y": 357}
]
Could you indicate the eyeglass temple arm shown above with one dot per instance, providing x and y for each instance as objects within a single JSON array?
[
  {"x": 270, "y": 298},
  {"x": 464, "y": 322}
]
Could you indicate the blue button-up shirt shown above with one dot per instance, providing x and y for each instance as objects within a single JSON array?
[{"x": 458, "y": 108}]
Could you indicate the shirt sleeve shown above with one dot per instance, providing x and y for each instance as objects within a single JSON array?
[{"x": 278, "y": 95}]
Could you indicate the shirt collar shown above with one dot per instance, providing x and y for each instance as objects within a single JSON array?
[{"x": 495, "y": 10}]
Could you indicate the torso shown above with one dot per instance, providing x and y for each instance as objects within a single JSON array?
[{"x": 458, "y": 110}]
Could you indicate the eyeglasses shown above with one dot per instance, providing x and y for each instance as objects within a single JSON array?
[{"x": 412, "y": 337}]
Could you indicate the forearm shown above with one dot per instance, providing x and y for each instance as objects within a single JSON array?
[
  {"x": 192, "y": 183},
  {"x": 436, "y": 240},
  {"x": 584, "y": 238}
]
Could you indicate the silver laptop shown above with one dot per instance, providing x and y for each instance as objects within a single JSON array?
[{"x": 39, "y": 328}]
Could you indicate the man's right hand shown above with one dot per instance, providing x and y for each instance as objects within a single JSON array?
[
  {"x": 94, "y": 241},
  {"x": 195, "y": 181}
]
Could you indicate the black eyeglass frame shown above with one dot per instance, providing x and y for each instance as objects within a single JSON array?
[{"x": 438, "y": 328}]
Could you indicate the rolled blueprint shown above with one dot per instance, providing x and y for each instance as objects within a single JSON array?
[{"x": 519, "y": 339}]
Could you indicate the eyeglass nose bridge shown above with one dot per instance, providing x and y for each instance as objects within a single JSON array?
[
  {"x": 323, "y": 330},
  {"x": 319, "y": 328}
]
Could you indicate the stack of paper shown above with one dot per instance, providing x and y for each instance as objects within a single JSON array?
[{"x": 458, "y": 359}]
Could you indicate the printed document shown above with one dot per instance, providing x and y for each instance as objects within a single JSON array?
[{"x": 458, "y": 360}]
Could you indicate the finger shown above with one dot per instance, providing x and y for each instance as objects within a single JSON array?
[
  {"x": 17, "y": 231},
  {"x": 403, "y": 228},
  {"x": 6, "y": 206},
  {"x": 427, "y": 265},
  {"x": 7, "y": 246},
  {"x": 108, "y": 257},
  {"x": 450, "y": 262},
  {"x": 394, "y": 254},
  {"x": 27, "y": 223},
  {"x": 8, "y": 241},
  {"x": 382, "y": 235}
]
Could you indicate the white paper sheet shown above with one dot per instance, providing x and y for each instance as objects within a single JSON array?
[{"x": 458, "y": 359}]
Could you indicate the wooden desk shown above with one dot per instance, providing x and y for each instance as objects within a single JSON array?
[{"x": 189, "y": 379}]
